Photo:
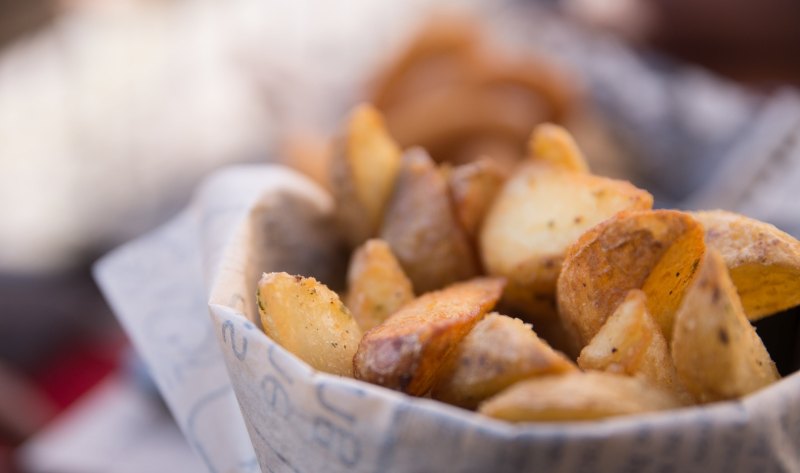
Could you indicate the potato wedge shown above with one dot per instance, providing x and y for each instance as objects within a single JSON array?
[
  {"x": 624, "y": 253},
  {"x": 717, "y": 353},
  {"x": 576, "y": 397},
  {"x": 308, "y": 319},
  {"x": 473, "y": 187},
  {"x": 497, "y": 353},
  {"x": 406, "y": 351},
  {"x": 422, "y": 229},
  {"x": 631, "y": 343},
  {"x": 377, "y": 285},
  {"x": 538, "y": 214},
  {"x": 764, "y": 262},
  {"x": 363, "y": 173},
  {"x": 554, "y": 144}
]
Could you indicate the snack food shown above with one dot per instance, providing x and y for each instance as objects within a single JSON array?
[{"x": 641, "y": 298}]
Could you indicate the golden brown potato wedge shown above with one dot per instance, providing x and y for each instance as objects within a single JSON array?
[
  {"x": 421, "y": 228},
  {"x": 624, "y": 253},
  {"x": 554, "y": 144},
  {"x": 764, "y": 262},
  {"x": 540, "y": 212},
  {"x": 363, "y": 172},
  {"x": 497, "y": 353},
  {"x": 473, "y": 187},
  {"x": 717, "y": 353},
  {"x": 308, "y": 319},
  {"x": 631, "y": 343},
  {"x": 575, "y": 397},
  {"x": 377, "y": 285},
  {"x": 406, "y": 351}
]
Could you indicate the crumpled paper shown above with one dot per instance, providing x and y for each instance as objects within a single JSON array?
[{"x": 291, "y": 418}]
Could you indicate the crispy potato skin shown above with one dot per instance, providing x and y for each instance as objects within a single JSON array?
[
  {"x": 615, "y": 257},
  {"x": 363, "y": 171},
  {"x": 498, "y": 352},
  {"x": 716, "y": 351},
  {"x": 421, "y": 227},
  {"x": 539, "y": 213},
  {"x": 763, "y": 261},
  {"x": 377, "y": 285},
  {"x": 575, "y": 397},
  {"x": 631, "y": 343},
  {"x": 405, "y": 352},
  {"x": 308, "y": 319}
]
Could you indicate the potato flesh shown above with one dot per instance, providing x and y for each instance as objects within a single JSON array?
[
  {"x": 309, "y": 320},
  {"x": 406, "y": 351},
  {"x": 631, "y": 343},
  {"x": 576, "y": 397},
  {"x": 377, "y": 285},
  {"x": 613, "y": 258},
  {"x": 422, "y": 230},
  {"x": 498, "y": 352},
  {"x": 764, "y": 262},
  {"x": 716, "y": 351}
]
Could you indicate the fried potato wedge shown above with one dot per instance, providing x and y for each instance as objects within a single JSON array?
[
  {"x": 405, "y": 352},
  {"x": 377, "y": 285},
  {"x": 497, "y": 353},
  {"x": 625, "y": 253},
  {"x": 473, "y": 187},
  {"x": 421, "y": 227},
  {"x": 576, "y": 397},
  {"x": 631, "y": 343},
  {"x": 308, "y": 319},
  {"x": 763, "y": 261},
  {"x": 717, "y": 353},
  {"x": 363, "y": 172},
  {"x": 555, "y": 145},
  {"x": 538, "y": 214}
]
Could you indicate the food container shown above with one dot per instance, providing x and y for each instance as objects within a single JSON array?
[{"x": 243, "y": 401}]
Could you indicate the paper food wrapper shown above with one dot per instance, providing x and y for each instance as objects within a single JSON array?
[{"x": 244, "y": 402}]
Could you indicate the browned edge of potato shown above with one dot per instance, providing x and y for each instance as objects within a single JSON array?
[
  {"x": 421, "y": 228},
  {"x": 406, "y": 351},
  {"x": 498, "y": 352},
  {"x": 631, "y": 343},
  {"x": 764, "y": 262},
  {"x": 621, "y": 254},
  {"x": 576, "y": 396},
  {"x": 308, "y": 319},
  {"x": 473, "y": 187},
  {"x": 376, "y": 284},
  {"x": 717, "y": 353}
]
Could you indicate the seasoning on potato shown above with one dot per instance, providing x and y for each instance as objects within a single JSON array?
[
  {"x": 631, "y": 343},
  {"x": 717, "y": 353},
  {"x": 498, "y": 352},
  {"x": 308, "y": 319},
  {"x": 655, "y": 250},
  {"x": 406, "y": 351},
  {"x": 377, "y": 285}
]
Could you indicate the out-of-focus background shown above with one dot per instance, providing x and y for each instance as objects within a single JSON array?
[{"x": 111, "y": 111}]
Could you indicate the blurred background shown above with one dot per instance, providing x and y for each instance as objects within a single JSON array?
[{"x": 112, "y": 111}]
